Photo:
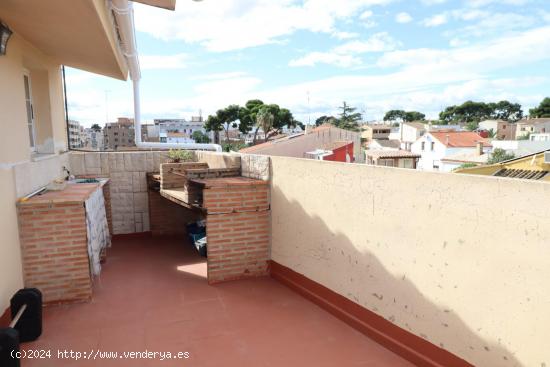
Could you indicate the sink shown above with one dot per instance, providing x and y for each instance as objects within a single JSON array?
[{"x": 86, "y": 180}]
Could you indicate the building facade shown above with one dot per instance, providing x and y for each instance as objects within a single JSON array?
[
  {"x": 179, "y": 130},
  {"x": 434, "y": 146},
  {"x": 93, "y": 139},
  {"x": 76, "y": 133},
  {"x": 120, "y": 134}
]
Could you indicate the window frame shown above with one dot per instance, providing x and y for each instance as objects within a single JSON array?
[{"x": 27, "y": 84}]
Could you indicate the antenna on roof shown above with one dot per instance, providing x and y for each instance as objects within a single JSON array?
[{"x": 308, "y": 110}]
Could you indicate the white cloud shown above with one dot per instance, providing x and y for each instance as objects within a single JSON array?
[
  {"x": 366, "y": 14},
  {"x": 345, "y": 35},
  {"x": 218, "y": 76},
  {"x": 480, "y": 3},
  {"x": 345, "y": 55},
  {"x": 436, "y": 20},
  {"x": 433, "y": 2},
  {"x": 178, "y": 61},
  {"x": 225, "y": 25},
  {"x": 314, "y": 58},
  {"x": 403, "y": 17}
]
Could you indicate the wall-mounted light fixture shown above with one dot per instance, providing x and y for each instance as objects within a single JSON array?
[{"x": 5, "y": 34}]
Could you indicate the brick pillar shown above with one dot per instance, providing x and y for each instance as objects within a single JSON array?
[
  {"x": 55, "y": 250},
  {"x": 237, "y": 228}
]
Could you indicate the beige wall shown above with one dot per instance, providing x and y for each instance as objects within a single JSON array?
[
  {"x": 460, "y": 260},
  {"x": 21, "y": 173}
]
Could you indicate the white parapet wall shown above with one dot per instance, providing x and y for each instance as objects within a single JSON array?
[{"x": 462, "y": 261}]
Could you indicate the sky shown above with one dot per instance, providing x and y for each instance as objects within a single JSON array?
[{"x": 311, "y": 55}]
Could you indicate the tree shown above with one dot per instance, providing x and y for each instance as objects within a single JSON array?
[
  {"x": 411, "y": 116},
  {"x": 469, "y": 111},
  {"x": 96, "y": 127},
  {"x": 200, "y": 137},
  {"x": 401, "y": 115},
  {"x": 395, "y": 115},
  {"x": 543, "y": 109},
  {"x": 474, "y": 112},
  {"x": 324, "y": 120},
  {"x": 505, "y": 110},
  {"x": 499, "y": 155},
  {"x": 348, "y": 118},
  {"x": 265, "y": 119},
  {"x": 223, "y": 120}
]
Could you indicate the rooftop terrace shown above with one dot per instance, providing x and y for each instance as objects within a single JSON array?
[{"x": 153, "y": 295}]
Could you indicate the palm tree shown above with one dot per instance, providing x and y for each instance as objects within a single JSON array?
[{"x": 264, "y": 119}]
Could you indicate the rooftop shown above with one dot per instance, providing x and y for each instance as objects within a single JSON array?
[
  {"x": 391, "y": 154},
  {"x": 459, "y": 139},
  {"x": 153, "y": 295}
]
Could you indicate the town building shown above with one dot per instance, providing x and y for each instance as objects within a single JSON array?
[
  {"x": 539, "y": 137},
  {"x": 179, "y": 130},
  {"x": 150, "y": 133},
  {"x": 338, "y": 151},
  {"x": 454, "y": 161},
  {"x": 311, "y": 140},
  {"x": 93, "y": 139},
  {"x": 392, "y": 158},
  {"x": 502, "y": 130},
  {"x": 75, "y": 134},
  {"x": 534, "y": 166},
  {"x": 529, "y": 126},
  {"x": 521, "y": 148},
  {"x": 384, "y": 144},
  {"x": 376, "y": 131},
  {"x": 120, "y": 134},
  {"x": 409, "y": 132},
  {"x": 436, "y": 145}
]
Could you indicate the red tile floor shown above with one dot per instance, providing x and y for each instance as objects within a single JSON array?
[{"x": 153, "y": 296}]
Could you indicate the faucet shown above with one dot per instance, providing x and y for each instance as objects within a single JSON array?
[{"x": 68, "y": 177}]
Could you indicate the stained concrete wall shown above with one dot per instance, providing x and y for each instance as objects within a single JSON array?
[{"x": 462, "y": 261}]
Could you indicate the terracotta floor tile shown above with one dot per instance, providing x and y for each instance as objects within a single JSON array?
[{"x": 153, "y": 296}]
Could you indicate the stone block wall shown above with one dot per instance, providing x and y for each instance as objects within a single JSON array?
[{"x": 128, "y": 186}]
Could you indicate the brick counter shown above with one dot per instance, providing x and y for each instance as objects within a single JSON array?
[
  {"x": 54, "y": 245},
  {"x": 237, "y": 227}
]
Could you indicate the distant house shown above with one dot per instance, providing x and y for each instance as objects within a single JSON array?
[
  {"x": 378, "y": 131},
  {"x": 339, "y": 151},
  {"x": 380, "y": 144},
  {"x": 532, "y": 167},
  {"x": 299, "y": 145},
  {"x": 532, "y": 126},
  {"x": 503, "y": 130},
  {"x": 539, "y": 137},
  {"x": 178, "y": 130},
  {"x": 392, "y": 158},
  {"x": 453, "y": 161},
  {"x": 522, "y": 148},
  {"x": 434, "y": 146},
  {"x": 409, "y": 132}
]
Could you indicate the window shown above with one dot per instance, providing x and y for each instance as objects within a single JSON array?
[
  {"x": 30, "y": 111},
  {"x": 432, "y": 146},
  {"x": 423, "y": 146}
]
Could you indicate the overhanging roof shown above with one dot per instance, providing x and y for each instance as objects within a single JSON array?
[
  {"x": 166, "y": 4},
  {"x": 77, "y": 33}
]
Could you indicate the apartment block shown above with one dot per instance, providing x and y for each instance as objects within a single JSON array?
[{"x": 119, "y": 135}]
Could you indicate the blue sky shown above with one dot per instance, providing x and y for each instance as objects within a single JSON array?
[{"x": 375, "y": 54}]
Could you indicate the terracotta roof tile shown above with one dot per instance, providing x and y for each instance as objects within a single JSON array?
[{"x": 459, "y": 138}]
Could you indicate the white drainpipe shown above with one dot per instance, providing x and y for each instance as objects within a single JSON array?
[{"x": 124, "y": 14}]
